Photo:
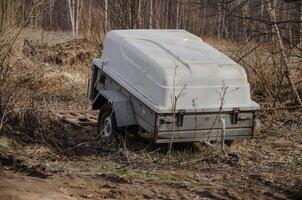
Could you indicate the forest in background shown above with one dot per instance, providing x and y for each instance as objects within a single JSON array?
[
  {"x": 231, "y": 19},
  {"x": 273, "y": 25}
]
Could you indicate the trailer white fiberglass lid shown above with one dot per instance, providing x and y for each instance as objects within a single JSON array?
[{"x": 157, "y": 65}]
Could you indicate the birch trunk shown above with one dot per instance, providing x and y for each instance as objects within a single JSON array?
[
  {"x": 106, "y": 17},
  {"x": 75, "y": 12},
  {"x": 177, "y": 14},
  {"x": 285, "y": 61},
  {"x": 71, "y": 15},
  {"x": 139, "y": 14},
  {"x": 79, "y": 16},
  {"x": 151, "y": 14}
]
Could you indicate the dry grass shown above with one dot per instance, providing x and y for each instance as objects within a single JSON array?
[{"x": 269, "y": 86}]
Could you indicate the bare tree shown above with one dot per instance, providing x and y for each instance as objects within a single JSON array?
[
  {"x": 177, "y": 14},
  {"x": 51, "y": 8},
  {"x": 106, "y": 16},
  {"x": 300, "y": 26},
  {"x": 204, "y": 13},
  {"x": 75, "y": 11},
  {"x": 151, "y": 15},
  {"x": 138, "y": 17},
  {"x": 272, "y": 12},
  {"x": 13, "y": 77}
]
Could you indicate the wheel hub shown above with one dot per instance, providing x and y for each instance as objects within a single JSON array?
[{"x": 107, "y": 127}]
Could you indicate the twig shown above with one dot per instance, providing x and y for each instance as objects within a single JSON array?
[{"x": 222, "y": 101}]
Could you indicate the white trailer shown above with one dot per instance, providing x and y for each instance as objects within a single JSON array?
[{"x": 171, "y": 84}]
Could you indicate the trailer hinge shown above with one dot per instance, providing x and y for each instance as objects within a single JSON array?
[
  {"x": 180, "y": 118},
  {"x": 234, "y": 116}
]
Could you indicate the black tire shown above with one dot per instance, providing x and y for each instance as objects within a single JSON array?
[{"x": 106, "y": 113}]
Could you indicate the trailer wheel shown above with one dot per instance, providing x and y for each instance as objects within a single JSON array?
[{"x": 106, "y": 122}]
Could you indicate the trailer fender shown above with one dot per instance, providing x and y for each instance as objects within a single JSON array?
[{"x": 121, "y": 105}]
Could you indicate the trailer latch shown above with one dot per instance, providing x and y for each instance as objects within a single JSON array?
[
  {"x": 234, "y": 116},
  {"x": 180, "y": 118}
]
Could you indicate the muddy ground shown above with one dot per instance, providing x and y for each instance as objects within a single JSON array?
[
  {"x": 85, "y": 167},
  {"x": 269, "y": 167}
]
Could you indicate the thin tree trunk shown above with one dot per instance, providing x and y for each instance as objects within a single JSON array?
[
  {"x": 106, "y": 17},
  {"x": 3, "y": 9},
  {"x": 36, "y": 18},
  {"x": 300, "y": 26},
  {"x": 184, "y": 19},
  {"x": 167, "y": 14},
  {"x": 288, "y": 73},
  {"x": 262, "y": 8},
  {"x": 24, "y": 10},
  {"x": 129, "y": 23},
  {"x": 71, "y": 15},
  {"x": 224, "y": 15},
  {"x": 245, "y": 22},
  {"x": 90, "y": 18},
  {"x": 204, "y": 13},
  {"x": 151, "y": 14},
  {"x": 51, "y": 8},
  {"x": 274, "y": 13},
  {"x": 139, "y": 14},
  {"x": 289, "y": 25},
  {"x": 78, "y": 18},
  {"x": 177, "y": 14},
  {"x": 219, "y": 28}
]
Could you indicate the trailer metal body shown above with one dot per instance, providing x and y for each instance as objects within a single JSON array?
[{"x": 171, "y": 84}]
